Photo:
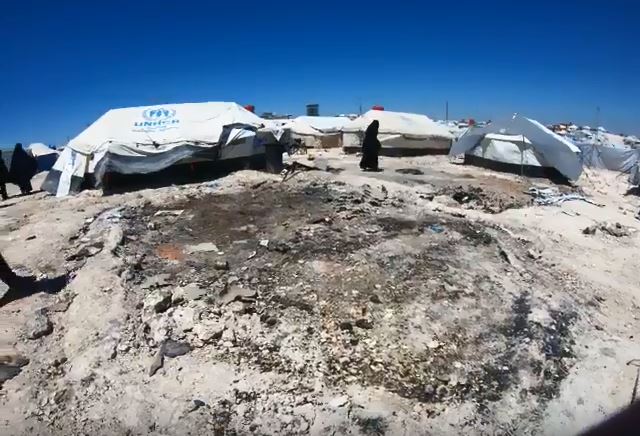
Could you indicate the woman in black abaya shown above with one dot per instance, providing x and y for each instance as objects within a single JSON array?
[
  {"x": 23, "y": 168},
  {"x": 370, "y": 147}
]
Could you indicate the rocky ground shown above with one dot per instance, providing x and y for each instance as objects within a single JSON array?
[{"x": 333, "y": 302}]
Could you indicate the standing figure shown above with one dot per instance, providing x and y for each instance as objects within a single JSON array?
[
  {"x": 4, "y": 178},
  {"x": 370, "y": 147},
  {"x": 23, "y": 168}
]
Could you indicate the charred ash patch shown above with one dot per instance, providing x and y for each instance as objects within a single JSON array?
[{"x": 325, "y": 222}]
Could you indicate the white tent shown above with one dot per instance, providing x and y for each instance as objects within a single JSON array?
[
  {"x": 45, "y": 156},
  {"x": 399, "y": 133},
  {"x": 151, "y": 138},
  {"x": 39, "y": 149},
  {"x": 318, "y": 132},
  {"x": 519, "y": 144}
]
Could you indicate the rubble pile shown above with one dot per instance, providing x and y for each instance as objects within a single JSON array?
[{"x": 477, "y": 198}]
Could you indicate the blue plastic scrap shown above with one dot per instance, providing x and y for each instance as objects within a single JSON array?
[{"x": 435, "y": 228}]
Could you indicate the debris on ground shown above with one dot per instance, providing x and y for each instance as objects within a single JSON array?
[
  {"x": 475, "y": 197},
  {"x": 38, "y": 325},
  {"x": 11, "y": 364},
  {"x": 612, "y": 229},
  {"x": 545, "y": 196},
  {"x": 319, "y": 306},
  {"x": 410, "y": 171}
]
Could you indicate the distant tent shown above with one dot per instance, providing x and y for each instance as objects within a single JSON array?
[
  {"x": 318, "y": 132},
  {"x": 400, "y": 134},
  {"x": 625, "y": 161},
  {"x": 522, "y": 146},
  {"x": 142, "y": 140},
  {"x": 45, "y": 156}
]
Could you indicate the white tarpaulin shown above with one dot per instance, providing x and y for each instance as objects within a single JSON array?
[
  {"x": 556, "y": 151},
  {"x": 141, "y": 131},
  {"x": 414, "y": 126},
  {"x": 147, "y": 139},
  {"x": 509, "y": 149},
  {"x": 38, "y": 149},
  {"x": 317, "y": 126}
]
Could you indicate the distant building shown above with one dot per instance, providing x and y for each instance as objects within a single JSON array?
[
  {"x": 275, "y": 116},
  {"x": 313, "y": 110}
]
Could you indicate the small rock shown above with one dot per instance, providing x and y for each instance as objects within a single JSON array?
[
  {"x": 346, "y": 325},
  {"x": 63, "y": 303},
  {"x": 158, "y": 301},
  {"x": 174, "y": 348},
  {"x": 31, "y": 237},
  {"x": 209, "y": 330},
  {"x": 534, "y": 254},
  {"x": 113, "y": 238},
  {"x": 429, "y": 390},
  {"x": 444, "y": 378},
  {"x": 364, "y": 323},
  {"x": 184, "y": 317},
  {"x": 59, "y": 396},
  {"x": 264, "y": 243},
  {"x": 195, "y": 405},
  {"x": 190, "y": 292},
  {"x": 156, "y": 362},
  {"x": 228, "y": 335},
  {"x": 337, "y": 402},
  {"x": 434, "y": 344},
  {"x": 222, "y": 265},
  {"x": 270, "y": 321},
  {"x": 38, "y": 325},
  {"x": 237, "y": 293},
  {"x": 123, "y": 347},
  {"x": 375, "y": 299},
  {"x": 204, "y": 247},
  {"x": 157, "y": 281}
]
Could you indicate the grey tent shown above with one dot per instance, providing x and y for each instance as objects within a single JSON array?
[{"x": 520, "y": 145}]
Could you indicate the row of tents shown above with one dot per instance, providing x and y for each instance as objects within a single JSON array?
[{"x": 142, "y": 140}]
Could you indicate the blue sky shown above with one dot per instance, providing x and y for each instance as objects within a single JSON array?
[{"x": 64, "y": 63}]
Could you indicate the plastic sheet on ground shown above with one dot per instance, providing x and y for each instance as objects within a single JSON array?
[{"x": 544, "y": 196}]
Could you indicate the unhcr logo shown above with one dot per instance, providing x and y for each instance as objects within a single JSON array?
[
  {"x": 158, "y": 114},
  {"x": 156, "y": 119}
]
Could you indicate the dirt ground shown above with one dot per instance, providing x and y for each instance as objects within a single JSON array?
[{"x": 429, "y": 298}]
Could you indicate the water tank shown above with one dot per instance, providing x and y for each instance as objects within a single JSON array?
[{"x": 313, "y": 110}]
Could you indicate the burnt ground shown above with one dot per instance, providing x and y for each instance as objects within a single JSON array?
[{"x": 359, "y": 288}]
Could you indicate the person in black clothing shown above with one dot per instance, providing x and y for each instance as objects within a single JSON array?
[
  {"x": 4, "y": 178},
  {"x": 370, "y": 147},
  {"x": 23, "y": 168}
]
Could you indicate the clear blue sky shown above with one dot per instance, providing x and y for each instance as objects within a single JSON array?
[{"x": 64, "y": 63}]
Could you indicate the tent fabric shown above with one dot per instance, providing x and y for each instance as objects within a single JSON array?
[
  {"x": 625, "y": 161},
  {"x": 413, "y": 126},
  {"x": 614, "y": 159},
  {"x": 151, "y": 138},
  {"x": 509, "y": 149},
  {"x": 38, "y": 149},
  {"x": 45, "y": 156},
  {"x": 399, "y": 134},
  {"x": 317, "y": 132},
  {"x": 557, "y": 152},
  {"x": 317, "y": 126},
  {"x": 141, "y": 131}
]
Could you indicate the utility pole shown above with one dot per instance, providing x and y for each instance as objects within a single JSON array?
[{"x": 597, "y": 123}]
